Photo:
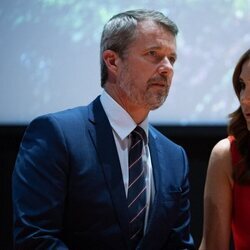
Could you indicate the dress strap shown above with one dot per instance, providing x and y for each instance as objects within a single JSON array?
[{"x": 236, "y": 157}]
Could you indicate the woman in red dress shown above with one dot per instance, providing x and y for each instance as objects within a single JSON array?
[{"x": 227, "y": 188}]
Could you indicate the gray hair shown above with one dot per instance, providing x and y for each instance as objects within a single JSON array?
[{"x": 120, "y": 31}]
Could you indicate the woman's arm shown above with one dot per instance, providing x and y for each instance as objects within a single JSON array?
[{"x": 218, "y": 199}]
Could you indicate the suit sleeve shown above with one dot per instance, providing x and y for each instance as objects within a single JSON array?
[
  {"x": 39, "y": 187},
  {"x": 180, "y": 236}
]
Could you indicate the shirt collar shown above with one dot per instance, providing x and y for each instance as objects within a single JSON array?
[{"x": 121, "y": 122}]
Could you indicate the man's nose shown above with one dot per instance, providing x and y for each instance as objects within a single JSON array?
[{"x": 165, "y": 67}]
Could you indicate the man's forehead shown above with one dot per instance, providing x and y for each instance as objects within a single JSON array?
[{"x": 153, "y": 34}]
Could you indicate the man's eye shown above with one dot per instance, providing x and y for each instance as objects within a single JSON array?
[
  {"x": 152, "y": 53},
  {"x": 172, "y": 60}
]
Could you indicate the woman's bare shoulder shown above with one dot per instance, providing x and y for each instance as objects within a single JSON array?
[
  {"x": 220, "y": 159},
  {"x": 222, "y": 148}
]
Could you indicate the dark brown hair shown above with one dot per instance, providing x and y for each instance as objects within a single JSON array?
[{"x": 238, "y": 128}]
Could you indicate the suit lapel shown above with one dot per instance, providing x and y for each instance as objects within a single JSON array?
[
  {"x": 154, "y": 154},
  {"x": 103, "y": 139}
]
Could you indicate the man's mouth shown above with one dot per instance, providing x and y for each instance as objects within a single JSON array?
[{"x": 158, "y": 84}]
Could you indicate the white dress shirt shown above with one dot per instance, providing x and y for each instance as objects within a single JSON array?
[{"x": 122, "y": 125}]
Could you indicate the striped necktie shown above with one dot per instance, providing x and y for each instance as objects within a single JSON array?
[{"x": 137, "y": 187}]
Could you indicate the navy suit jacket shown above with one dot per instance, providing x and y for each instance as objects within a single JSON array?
[{"x": 68, "y": 191}]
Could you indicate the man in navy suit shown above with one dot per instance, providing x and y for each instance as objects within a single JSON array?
[{"x": 71, "y": 178}]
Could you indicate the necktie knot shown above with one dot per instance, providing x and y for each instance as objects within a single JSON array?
[{"x": 138, "y": 134}]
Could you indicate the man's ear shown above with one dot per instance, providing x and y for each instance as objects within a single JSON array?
[{"x": 111, "y": 59}]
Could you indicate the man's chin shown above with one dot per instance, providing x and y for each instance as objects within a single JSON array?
[{"x": 156, "y": 105}]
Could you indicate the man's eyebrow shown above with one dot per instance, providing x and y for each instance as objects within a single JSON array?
[
  {"x": 159, "y": 48},
  {"x": 154, "y": 47}
]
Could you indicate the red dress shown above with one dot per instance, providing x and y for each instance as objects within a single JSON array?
[{"x": 241, "y": 207}]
